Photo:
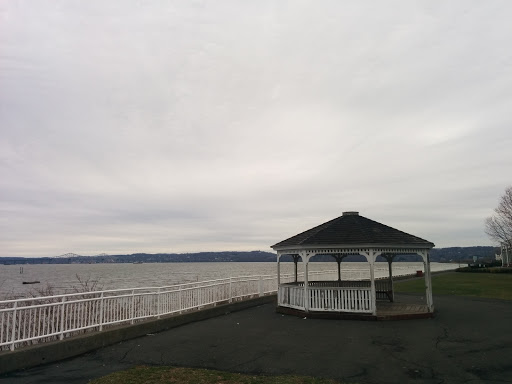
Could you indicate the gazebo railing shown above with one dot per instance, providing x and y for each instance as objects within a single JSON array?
[
  {"x": 334, "y": 299},
  {"x": 334, "y": 295},
  {"x": 353, "y": 274},
  {"x": 340, "y": 299},
  {"x": 383, "y": 287},
  {"x": 291, "y": 296}
]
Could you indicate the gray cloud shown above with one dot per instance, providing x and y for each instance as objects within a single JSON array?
[{"x": 188, "y": 126}]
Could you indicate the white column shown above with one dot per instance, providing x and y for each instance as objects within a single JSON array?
[
  {"x": 295, "y": 262},
  {"x": 428, "y": 281},
  {"x": 278, "y": 270},
  {"x": 390, "y": 270},
  {"x": 305, "y": 260},
  {"x": 373, "y": 302},
  {"x": 431, "y": 306}
]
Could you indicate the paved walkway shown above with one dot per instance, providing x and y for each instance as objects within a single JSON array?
[{"x": 469, "y": 341}]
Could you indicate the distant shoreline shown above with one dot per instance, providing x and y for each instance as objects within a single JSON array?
[{"x": 463, "y": 255}]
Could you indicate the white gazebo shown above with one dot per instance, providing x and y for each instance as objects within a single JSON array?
[{"x": 350, "y": 234}]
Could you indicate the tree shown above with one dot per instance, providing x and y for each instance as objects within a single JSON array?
[{"x": 499, "y": 226}]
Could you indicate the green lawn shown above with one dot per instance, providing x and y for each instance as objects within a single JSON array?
[
  {"x": 486, "y": 285},
  {"x": 161, "y": 375}
]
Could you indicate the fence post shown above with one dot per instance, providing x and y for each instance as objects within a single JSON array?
[
  {"x": 158, "y": 303},
  {"x": 180, "y": 295},
  {"x": 132, "y": 315},
  {"x": 230, "y": 290},
  {"x": 260, "y": 285},
  {"x": 62, "y": 318},
  {"x": 13, "y": 334},
  {"x": 101, "y": 311}
]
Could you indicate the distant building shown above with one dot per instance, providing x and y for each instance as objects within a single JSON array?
[{"x": 506, "y": 255}]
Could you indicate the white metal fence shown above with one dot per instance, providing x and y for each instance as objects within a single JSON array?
[{"x": 41, "y": 319}]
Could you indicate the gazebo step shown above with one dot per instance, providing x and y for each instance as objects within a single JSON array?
[
  {"x": 385, "y": 311},
  {"x": 394, "y": 308}
]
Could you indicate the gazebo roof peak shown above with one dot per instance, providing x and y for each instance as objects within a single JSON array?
[{"x": 352, "y": 229}]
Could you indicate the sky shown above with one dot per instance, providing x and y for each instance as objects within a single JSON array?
[{"x": 183, "y": 126}]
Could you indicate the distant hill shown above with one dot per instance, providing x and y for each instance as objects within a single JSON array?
[
  {"x": 453, "y": 254},
  {"x": 254, "y": 256}
]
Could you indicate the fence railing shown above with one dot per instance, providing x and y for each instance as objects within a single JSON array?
[{"x": 41, "y": 319}]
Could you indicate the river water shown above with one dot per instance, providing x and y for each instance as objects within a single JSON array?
[{"x": 64, "y": 278}]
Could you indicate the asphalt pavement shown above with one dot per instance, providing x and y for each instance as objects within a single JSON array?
[{"x": 468, "y": 341}]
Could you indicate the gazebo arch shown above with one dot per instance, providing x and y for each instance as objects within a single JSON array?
[{"x": 349, "y": 234}]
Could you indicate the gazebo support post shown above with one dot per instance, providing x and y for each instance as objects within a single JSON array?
[
  {"x": 295, "y": 261},
  {"x": 428, "y": 281},
  {"x": 373, "y": 299},
  {"x": 278, "y": 270},
  {"x": 430, "y": 302},
  {"x": 306, "y": 295},
  {"x": 339, "y": 258},
  {"x": 389, "y": 259}
]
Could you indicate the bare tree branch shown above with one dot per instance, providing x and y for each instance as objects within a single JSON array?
[{"x": 499, "y": 226}]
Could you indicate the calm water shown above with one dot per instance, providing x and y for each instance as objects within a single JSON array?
[{"x": 63, "y": 277}]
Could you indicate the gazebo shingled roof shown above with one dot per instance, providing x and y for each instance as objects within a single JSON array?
[{"x": 352, "y": 229}]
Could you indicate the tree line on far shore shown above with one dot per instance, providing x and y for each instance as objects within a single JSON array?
[{"x": 452, "y": 254}]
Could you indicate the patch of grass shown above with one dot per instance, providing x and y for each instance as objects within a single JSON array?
[
  {"x": 161, "y": 375},
  {"x": 485, "y": 285}
]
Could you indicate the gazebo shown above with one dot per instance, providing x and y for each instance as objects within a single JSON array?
[{"x": 350, "y": 234}]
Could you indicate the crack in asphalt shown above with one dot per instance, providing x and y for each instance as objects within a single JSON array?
[
  {"x": 247, "y": 362},
  {"x": 395, "y": 343},
  {"x": 125, "y": 354},
  {"x": 412, "y": 372},
  {"x": 483, "y": 373},
  {"x": 479, "y": 379},
  {"x": 416, "y": 365},
  {"x": 435, "y": 377},
  {"x": 442, "y": 338},
  {"x": 362, "y": 373},
  {"x": 490, "y": 349}
]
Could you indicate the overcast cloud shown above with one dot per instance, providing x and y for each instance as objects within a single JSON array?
[{"x": 156, "y": 126}]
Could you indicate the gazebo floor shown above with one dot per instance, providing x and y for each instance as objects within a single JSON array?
[{"x": 385, "y": 311}]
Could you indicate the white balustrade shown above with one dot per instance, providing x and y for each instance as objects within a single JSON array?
[
  {"x": 291, "y": 296},
  {"x": 40, "y": 319},
  {"x": 335, "y": 299},
  {"x": 325, "y": 298}
]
